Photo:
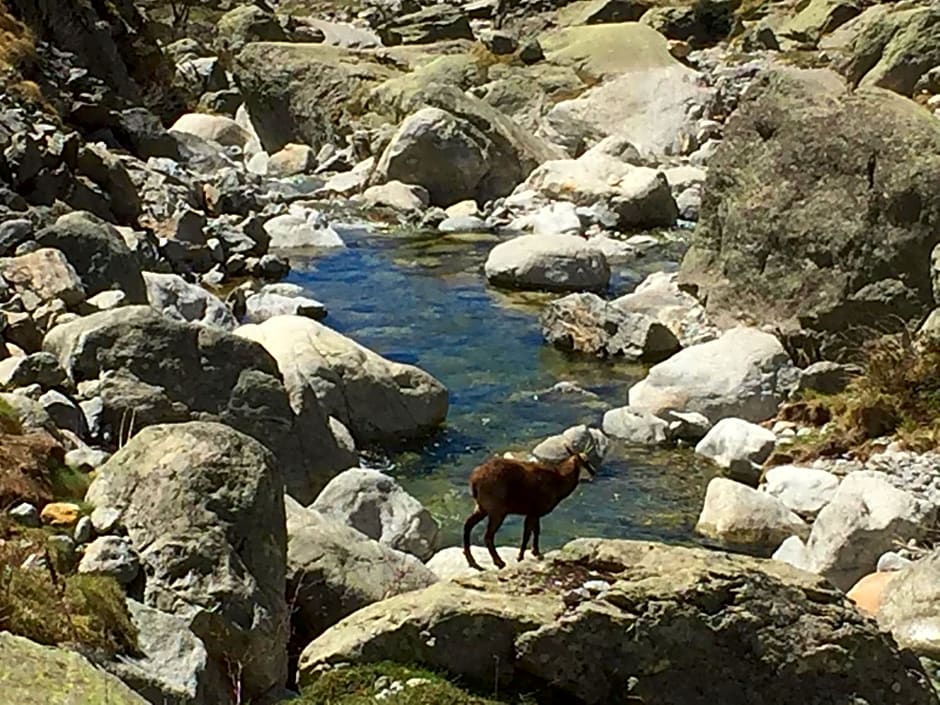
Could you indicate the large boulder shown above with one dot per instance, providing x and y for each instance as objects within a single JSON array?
[
  {"x": 638, "y": 90},
  {"x": 436, "y": 150},
  {"x": 910, "y": 609},
  {"x": 98, "y": 253},
  {"x": 246, "y": 24},
  {"x": 203, "y": 505},
  {"x": 31, "y": 674},
  {"x": 866, "y": 516},
  {"x": 857, "y": 167},
  {"x": 744, "y": 373},
  {"x": 639, "y": 196},
  {"x": 375, "y": 398},
  {"x": 743, "y": 518},
  {"x": 587, "y": 323},
  {"x": 154, "y": 369},
  {"x": 172, "y": 666},
  {"x": 334, "y": 570},
  {"x": 375, "y": 504},
  {"x": 217, "y": 128},
  {"x": 891, "y": 47},
  {"x": 674, "y": 625},
  {"x": 804, "y": 490},
  {"x": 433, "y": 23},
  {"x": 548, "y": 262},
  {"x": 304, "y": 93},
  {"x": 46, "y": 273}
]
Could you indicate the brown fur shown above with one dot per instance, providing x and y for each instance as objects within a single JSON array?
[{"x": 501, "y": 487}]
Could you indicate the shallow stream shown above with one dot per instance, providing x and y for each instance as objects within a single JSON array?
[{"x": 423, "y": 300}]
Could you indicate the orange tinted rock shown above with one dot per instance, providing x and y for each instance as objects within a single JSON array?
[
  {"x": 60, "y": 514},
  {"x": 867, "y": 592}
]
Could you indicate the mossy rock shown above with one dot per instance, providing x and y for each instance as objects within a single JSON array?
[{"x": 31, "y": 674}]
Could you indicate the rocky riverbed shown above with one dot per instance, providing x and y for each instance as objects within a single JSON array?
[{"x": 274, "y": 277}]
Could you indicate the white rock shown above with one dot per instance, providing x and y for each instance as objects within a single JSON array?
[
  {"x": 217, "y": 128},
  {"x": 549, "y": 262},
  {"x": 688, "y": 426},
  {"x": 737, "y": 445},
  {"x": 577, "y": 438},
  {"x": 659, "y": 296},
  {"x": 557, "y": 218},
  {"x": 175, "y": 297},
  {"x": 793, "y": 551},
  {"x": 804, "y": 490},
  {"x": 745, "y": 373},
  {"x": 375, "y": 504},
  {"x": 866, "y": 516},
  {"x": 633, "y": 426},
  {"x": 301, "y": 228},
  {"x": 112, "y": 556},
  {"x": 395, "y": 194},
  {"x": 263, "y": 305},
  {"x": 741, "y": 517}
]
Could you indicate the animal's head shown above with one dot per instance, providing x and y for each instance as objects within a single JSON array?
[{"x": 582, "y": 459}]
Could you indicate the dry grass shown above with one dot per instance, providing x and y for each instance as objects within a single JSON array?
[
  {"x": 897, "y": 395},
  {"x": 17, "y": 44}
]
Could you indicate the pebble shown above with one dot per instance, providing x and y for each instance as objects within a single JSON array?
[
  {"x": 892, "y": 561},
  {"x": 84, "y": 531},
  {"x": 596, "y": 586},
  {"x": 26, "y": 514}
]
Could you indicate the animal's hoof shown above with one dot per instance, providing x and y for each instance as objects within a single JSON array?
[
  {"x": 500, "y": 564},
  {"x": 537, "y": 556}
]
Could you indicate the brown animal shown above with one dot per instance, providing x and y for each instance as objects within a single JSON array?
[{"x": 501, "y": 487}]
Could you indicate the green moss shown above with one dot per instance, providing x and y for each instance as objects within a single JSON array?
[
  {"x": 9, "y": 418},
  {"x": 358, "y": 685},
  {"x": 69, "y": 483},
  {"x": 88, "y": 611}
]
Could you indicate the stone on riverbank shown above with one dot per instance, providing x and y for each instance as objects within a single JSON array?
[
  {"x": 804, "y": 490},
  {"x": 739, "y": 447},
  {"x": 547, "y": 262},
  {"x": 203, "y": 504},
  {"x": 375, "y": 504},
  {"x": 637, "y": 427},
  {"x": 684, "y": 651},
  {"x": 375, "y": 398},
  {"x": 744, "y": 373}
]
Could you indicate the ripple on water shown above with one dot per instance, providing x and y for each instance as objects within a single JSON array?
[{"x": 422, "y": 300}]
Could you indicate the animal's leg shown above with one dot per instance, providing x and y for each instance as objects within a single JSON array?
[
  {"x": 472, "y": 521},
  {"x": 491, "y": 528},
  {"x": 536, "y": 526},
  {"x": 526, "y": 533}
]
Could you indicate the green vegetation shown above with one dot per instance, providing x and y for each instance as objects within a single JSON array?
[
  {"x": 85, "y": 611},
  {"x": 897, "y": 394},
  {"x": 358, "y": 685},
  {"x": 9, "y": 419},
  {"x": 69, "y": 484}
]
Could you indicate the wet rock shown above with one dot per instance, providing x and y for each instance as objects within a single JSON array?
[
  {"x": 588, "y": 323},
  {"x": 301, "y": 227},
  {"x": 334, "y": 570},
  {"x": 113, "y": 556},
  {"x": 863, "y": 520},
  {"x": 788, "y": 614},
  {"x": 375, "y": 504},
  {"x": 548, "y": 262},
  {"x": 741, "y": 517},
  {"x": 203, "y": 504},
  {"x": 176, "y": 298},
  {"x": 581, "y": 439},
  {"x": 375, "y": 398},
  {"x": 745, "y": 373},
  {"x": 804, "y": 490},
  {"x": 738, "y": 446},
  {"x": 640, "y": 428}
]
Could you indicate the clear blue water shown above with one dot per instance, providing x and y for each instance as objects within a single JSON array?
[{"x": 422, "y": 300}]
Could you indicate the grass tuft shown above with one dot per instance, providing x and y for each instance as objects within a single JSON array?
[{"x": 360, "y": 684}]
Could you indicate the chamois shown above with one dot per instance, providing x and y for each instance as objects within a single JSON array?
[{"x": 501, "y": 486}]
